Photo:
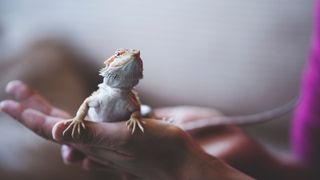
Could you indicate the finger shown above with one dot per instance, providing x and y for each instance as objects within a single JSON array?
[
  {"x": 12, "y": 108},
  {"x": 97, "y": 140},
  {"x": 109, "y": 139},
  {"x": 56, "y": 112},
  {"x": 71, "y": 155},
  {"x": 94, "y": 133},
  {"x": 28, "y": 96},
  {"x": 32, "y": 99},
  {"x": 39, "y": 123},
  {"x": 36, "y": 121},
  {"x": 186, "y": 113}
]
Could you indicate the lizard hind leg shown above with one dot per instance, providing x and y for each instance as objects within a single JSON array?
[{"x": 75, "y": 125}]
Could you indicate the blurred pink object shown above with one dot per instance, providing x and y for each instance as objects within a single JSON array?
[{"x": 306, "y": 127}]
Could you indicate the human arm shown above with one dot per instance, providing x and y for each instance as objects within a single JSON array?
[{"x": 237, "y": 148}]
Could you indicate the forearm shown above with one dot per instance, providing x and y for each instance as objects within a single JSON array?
[
  {"x": 275, "y": 166},
  {"x": 201, "y": 165},
  {"x": 257, "y": 161}
]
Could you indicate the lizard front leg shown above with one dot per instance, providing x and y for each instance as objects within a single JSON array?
[
  {"x": 134, "y": 121},
  {"x": 78, "y": 121}
]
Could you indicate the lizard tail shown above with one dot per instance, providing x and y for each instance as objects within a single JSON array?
[{"x": 241, "y": 120}]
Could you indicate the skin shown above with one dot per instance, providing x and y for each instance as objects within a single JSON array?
[{"x": 164, "y": 151}]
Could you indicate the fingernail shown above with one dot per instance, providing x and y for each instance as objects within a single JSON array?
[
  {"x": 65, "y": 151},
  {"x": 1, "y": 106},
  {"x": 11, "y": 85},
  {"x": 18, "y": 89},
  {"x": 57, "y": 131}
]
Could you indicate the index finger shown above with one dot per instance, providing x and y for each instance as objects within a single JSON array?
[
  {"x": 34, "y": 120},
  {"x": 31, "y": 99}
]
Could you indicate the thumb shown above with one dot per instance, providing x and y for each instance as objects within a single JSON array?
[{"x": 95, "y": 133}]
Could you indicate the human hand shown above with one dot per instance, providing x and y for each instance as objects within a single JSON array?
[
  {"x": 163, "y": 151},
  {"x": 227, "y": 142},
  {"x": 37, "y": 114}
]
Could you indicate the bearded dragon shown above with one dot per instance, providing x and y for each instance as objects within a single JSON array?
[{"x": 115, "y": 100}]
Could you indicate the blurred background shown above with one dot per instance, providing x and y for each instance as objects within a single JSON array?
[{"x": 240, "y": 57}]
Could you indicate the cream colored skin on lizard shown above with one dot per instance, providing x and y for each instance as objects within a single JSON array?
[{"x": 115, "y": 99}]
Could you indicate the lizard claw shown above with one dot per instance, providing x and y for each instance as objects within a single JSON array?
[
  {"x": 76, "y": 125},
  {"x": 133, "y": 123}
]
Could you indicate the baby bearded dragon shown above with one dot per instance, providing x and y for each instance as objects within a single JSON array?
[{"x": 115, "y": 99}]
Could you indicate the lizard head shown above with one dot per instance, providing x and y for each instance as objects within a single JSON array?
[{"x": 123, "y": 69}]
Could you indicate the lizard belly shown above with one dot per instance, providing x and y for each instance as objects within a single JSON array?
[{"x": 110, "y": 109}]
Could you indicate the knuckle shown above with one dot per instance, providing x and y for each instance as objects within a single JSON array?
[
  {"x": 175, "y": 131},
  {"x": 176, "y": 136}
]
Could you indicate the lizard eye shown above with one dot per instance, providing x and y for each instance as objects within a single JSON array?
[{"x": 119, "y": 52}]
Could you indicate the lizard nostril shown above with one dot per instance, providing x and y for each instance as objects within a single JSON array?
[{"x": 136, "y": 52}]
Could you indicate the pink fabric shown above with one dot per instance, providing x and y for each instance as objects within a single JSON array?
[{"x": 306, "y": 125}]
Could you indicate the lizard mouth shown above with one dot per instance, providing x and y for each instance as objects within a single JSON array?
[
  {"x": 117, "y": 61},
  {"x": 110, "y": 60}
]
